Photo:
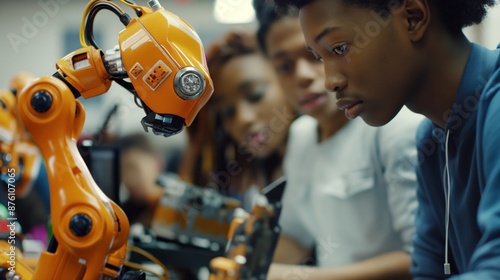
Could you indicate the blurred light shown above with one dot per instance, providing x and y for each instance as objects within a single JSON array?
[{"x": 234, "y": 11}]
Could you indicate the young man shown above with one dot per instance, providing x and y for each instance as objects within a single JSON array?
[
  {"x": 354, "y": 207},
  {"x": 381, "y": 55}
]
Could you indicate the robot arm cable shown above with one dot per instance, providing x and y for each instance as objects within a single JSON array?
[
  {"x": 87, "y": 36},
  {"x": 86, "y": 31},
  {"x": 149, "y": 256}
]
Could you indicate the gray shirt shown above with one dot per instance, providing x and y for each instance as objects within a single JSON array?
[{"x": 352, "y": 197}]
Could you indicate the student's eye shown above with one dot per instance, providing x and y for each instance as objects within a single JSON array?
[
  {"x": 284, "y": 67},
  {"x": 340, "y": 50},
  {"x": 255, "y": 96},
  {"x": 227, "y": 112}
]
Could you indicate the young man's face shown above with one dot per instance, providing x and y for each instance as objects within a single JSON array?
[
  {"x": 301, "y": 75},
  {"x": 368, "y": 59}
]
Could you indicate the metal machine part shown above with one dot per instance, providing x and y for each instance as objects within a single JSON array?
[{"x": 90, "y": 231}]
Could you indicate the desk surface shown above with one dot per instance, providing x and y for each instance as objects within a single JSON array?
[{"x": 177, "y": 255}]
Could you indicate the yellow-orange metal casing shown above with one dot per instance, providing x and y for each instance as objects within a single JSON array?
[
  {"x": 8, "y": 121},
  {"x": 72, "y": 190},
  {"x": 8, "y": 130},
  {"x": 17, "y": 83},
  {"x": 18, "y": 264},
  {"x": 20, "y": 80},
  {"x": 229, "y": 266},
  {"x": 16, "y": 141},
  {"x": 84, "y": 70},
  {"x": 155, "y": 39},
  {"x": 171, "y": 42}
]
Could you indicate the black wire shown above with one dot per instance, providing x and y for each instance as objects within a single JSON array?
[
  {"x": 139, "y": 104},
  {"x": 89, "y": 39},
  {"x": 89, "y": 22},
  {"x": 89, "y": 35},
  {"x": 130, "y": 88},
  {"x": 127, "y": 85},
  {"x": 138, "y": 12}
]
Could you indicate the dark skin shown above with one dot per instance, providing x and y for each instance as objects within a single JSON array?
[
  {"x": 247, "y": 96},
  {"x": 412, "y": 60},
  {"x": 301, "y": 76}
]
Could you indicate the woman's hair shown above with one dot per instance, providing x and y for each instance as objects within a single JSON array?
[
  {"x": 207, "y": 152},
  {"x": 456, "y": 14},
  {"x": 210, "y": 147},
  {"x": 231, "y": 45}
]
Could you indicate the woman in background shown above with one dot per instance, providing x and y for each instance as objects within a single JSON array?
[{"x": 238, "y": 140}]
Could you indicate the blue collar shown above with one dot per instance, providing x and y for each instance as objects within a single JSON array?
[{"x": 480, "y": 66}]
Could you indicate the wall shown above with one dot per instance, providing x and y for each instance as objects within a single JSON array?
[{"x": 487, "y": 33}]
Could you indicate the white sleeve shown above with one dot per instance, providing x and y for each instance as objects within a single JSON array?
[
  {"x": 294, "y": 209},
  {"x": 398, "y": 154},
  {"x": 291, "y": 221}
]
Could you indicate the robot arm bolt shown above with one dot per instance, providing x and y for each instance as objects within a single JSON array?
[
  {"x": 80, "y": 225},
  {"x": 41, "y": 101}
]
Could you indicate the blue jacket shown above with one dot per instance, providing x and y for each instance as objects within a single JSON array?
[{"x": 474, "y": 169}]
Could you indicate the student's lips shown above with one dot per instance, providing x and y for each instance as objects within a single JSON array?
[
  {"x": 352, "y": 107},
  {"x": 257, "y": 139},
  {"x": 312, "y": 101}
]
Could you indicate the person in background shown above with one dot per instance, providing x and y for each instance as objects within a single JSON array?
[
  {"x": 350, "y": 194},
  {"x": 420, "y": 58},
  {"x": 141, "y": 172},
  {"x": 238, "y": 141}
]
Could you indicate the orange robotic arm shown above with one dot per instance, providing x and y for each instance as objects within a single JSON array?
[
  {"x": 164, "y": 59},
  {"x": 251, "y": 247},
  {"x": 18, "y": 152},
  {"x": 253, "y": 239}
]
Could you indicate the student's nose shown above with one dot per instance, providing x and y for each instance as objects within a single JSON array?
[
  {"x": 304, "y": 73},
  {"x": 245, "y": 115},
  {"x": 335, "y": 81}
]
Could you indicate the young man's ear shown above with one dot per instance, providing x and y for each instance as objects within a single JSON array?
[{"x": 418, "y": 17}]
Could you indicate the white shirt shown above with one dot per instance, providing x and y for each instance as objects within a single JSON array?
[{"x": 352, "y": 196}]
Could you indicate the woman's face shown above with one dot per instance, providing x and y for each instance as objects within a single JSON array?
[{"x": 252, "y": 104}]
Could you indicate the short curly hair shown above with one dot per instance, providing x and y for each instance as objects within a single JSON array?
[
  {"x": 267, "y": 15},
  {"x": 456, "y": 14}
]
